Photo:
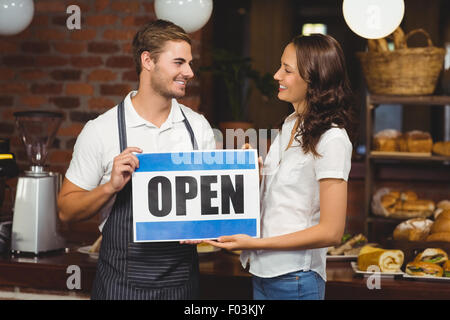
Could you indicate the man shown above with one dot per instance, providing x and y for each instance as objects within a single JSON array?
[{"x": 98, "y": 178}]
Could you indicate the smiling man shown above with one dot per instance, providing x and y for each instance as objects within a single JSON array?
[{"x": 98, "y": 180}]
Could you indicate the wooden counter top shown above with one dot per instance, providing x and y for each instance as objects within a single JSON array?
[
  {"x": 343, "y": 284},
  {"x": 222, "y": 277}
]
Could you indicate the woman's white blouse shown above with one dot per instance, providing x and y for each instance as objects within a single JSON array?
[{"x": 290, "y": 198}]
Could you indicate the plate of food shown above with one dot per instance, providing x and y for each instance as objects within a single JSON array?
[
  {"x": 375, "y": 270},
  {"x": 432, "y": 264},
  {"x": 92, "y": 250},
  {"x": 349, "y": 248},
  {"x": 87, "y": 250}
]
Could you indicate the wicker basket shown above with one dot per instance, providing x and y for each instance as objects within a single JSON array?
[{"x": 408, "y": 71}]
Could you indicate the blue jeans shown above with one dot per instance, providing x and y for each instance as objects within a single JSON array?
[{"x": 297, "y": 285}]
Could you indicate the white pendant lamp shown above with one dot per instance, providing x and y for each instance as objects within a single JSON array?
[
  {"x": 373, "y": 19},
  {"x": 191, "y": 15},
  {"x": 15, "y": 16}
]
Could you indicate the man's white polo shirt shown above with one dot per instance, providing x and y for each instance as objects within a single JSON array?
[{"x": 98, "y": 142}]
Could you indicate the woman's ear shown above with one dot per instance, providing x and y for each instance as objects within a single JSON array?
[{"x": 147, "y": 61}]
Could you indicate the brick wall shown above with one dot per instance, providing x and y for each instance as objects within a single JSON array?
[{"x": 81, "y": 73}]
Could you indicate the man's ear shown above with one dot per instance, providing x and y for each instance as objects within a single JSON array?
[{"x": 146, "y": 61}]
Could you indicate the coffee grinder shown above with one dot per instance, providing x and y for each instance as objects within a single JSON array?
[{"x": 35, "y": 218}]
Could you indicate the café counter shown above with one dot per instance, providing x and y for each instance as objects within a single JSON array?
[{"x": 70, "y": 274}]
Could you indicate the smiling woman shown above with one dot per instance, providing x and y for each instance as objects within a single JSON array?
[{"x": 304, "y": 184}]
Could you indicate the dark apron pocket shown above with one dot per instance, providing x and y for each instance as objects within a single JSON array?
[{"x": 159, "y": 265}]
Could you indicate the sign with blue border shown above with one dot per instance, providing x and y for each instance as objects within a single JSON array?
[{"x": 195, "y": 195}]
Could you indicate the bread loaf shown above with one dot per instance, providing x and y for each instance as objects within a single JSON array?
[
  {"x": 444, "y": 204},
  {"x": 441, "y": 236},
  {"x": 442, "y": 148},
  {"x": 399, "y": 39},
  {"x": 386, "y": 140},
  {"x": 418, "y": 205},
  {"x": 419, "y": 141},
  {"x": 442, "y": 223},
  {"x": 416, "y": 229}
]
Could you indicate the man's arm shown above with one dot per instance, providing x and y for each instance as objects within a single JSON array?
[{"x": 75, "y": 203}]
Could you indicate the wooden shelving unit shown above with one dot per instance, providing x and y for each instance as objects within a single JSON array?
[{"x": 373, "y": 159}]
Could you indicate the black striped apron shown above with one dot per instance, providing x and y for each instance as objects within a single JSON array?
[{"x": 142, "y": 271}]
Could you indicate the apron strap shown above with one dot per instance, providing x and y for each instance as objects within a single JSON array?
[
  {"x": 189, "y": 129},
  {"x": 123, "y": 129}
]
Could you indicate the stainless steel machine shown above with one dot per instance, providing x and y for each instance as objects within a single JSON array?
[{"x": 35, "y": 219}]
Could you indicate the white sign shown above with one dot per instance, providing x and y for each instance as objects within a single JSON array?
[{"x": 195, "y": 195}]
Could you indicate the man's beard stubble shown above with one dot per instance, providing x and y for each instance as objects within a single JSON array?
[{"x": 160, "y": 85}]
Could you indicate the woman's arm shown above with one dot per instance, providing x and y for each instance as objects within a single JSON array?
[{"x": 328, "y": 232}]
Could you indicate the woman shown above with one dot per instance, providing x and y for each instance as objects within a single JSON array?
[{"x": 304, "y": 183}]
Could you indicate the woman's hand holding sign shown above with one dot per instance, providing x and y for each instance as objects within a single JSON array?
[{"x": 234, "y": 242}]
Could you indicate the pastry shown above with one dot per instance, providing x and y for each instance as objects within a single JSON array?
[{"x": 386, "y": 260}]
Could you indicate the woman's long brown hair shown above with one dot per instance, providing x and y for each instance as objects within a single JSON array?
[{"x": 329, "y": 98}]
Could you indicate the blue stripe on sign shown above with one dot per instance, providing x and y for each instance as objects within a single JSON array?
[
  {"x": 190, "y": 161},
  {"x": 204, "y": 229}
]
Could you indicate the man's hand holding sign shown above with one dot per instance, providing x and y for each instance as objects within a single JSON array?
[{"x": 195, "y": 195}]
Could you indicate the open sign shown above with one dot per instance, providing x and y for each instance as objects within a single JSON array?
[{"x": 195, "y": 195}]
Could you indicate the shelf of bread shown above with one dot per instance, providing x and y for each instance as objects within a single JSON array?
[
  {"x": 402, "y": 204},
  {"x": 411, "y": 145}
]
